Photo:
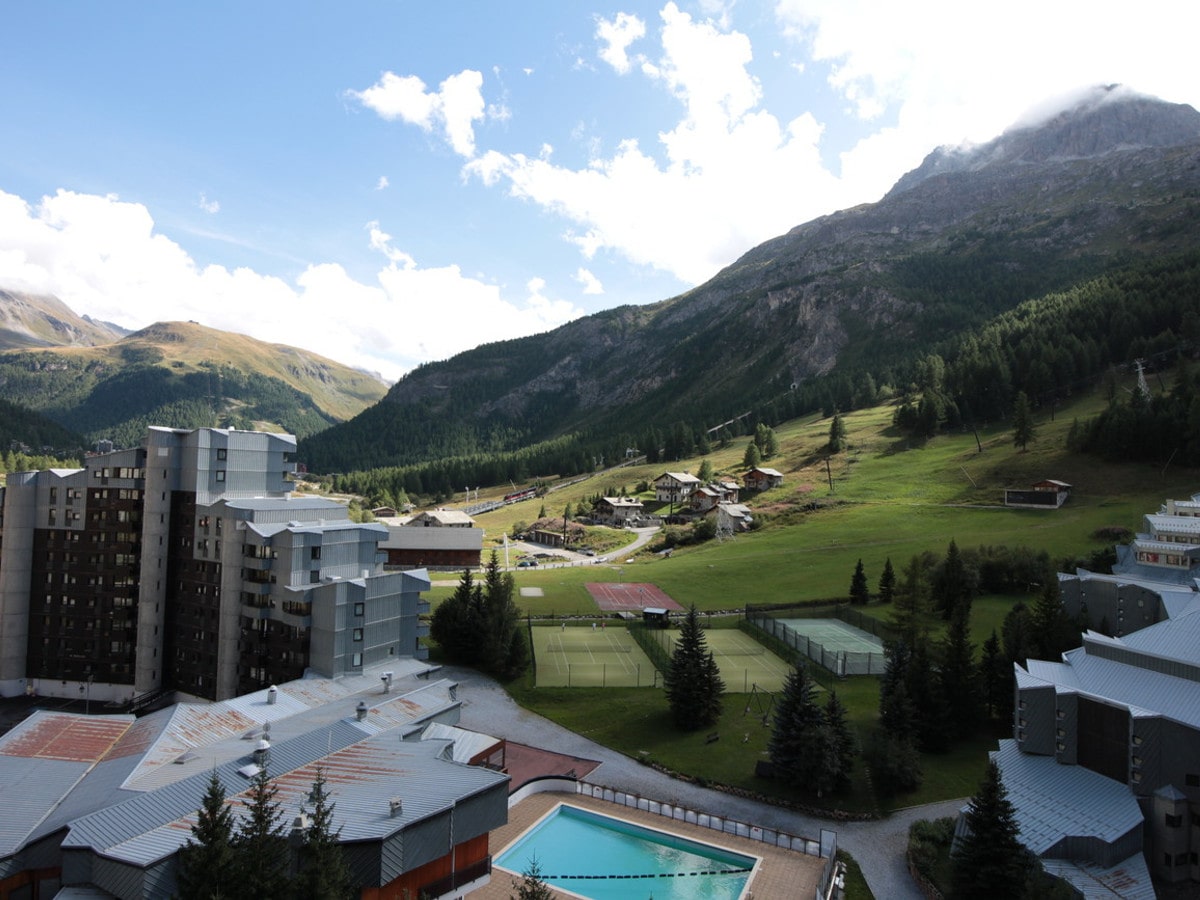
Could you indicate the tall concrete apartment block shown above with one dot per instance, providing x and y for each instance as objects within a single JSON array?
[{"x": 187, "y": 565}]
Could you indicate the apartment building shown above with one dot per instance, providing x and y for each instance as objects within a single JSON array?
[{"x": 186, "y": 564}]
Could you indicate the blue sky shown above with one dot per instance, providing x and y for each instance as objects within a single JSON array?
[{"x": 389, "y": 183}]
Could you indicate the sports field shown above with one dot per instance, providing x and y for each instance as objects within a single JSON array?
[
  {"x": 743, "y": 661},
  {"x": 621, "y": 596},
  {"x": 839, "y": 647},
  {"x": 583, "y": 656}
]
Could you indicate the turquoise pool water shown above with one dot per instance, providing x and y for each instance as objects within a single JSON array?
[{"x": 603, "y": 858}]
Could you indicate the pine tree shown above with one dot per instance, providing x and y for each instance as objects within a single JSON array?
[
  {"x": 925, "y": 689},
  {"x": 959, "y": 677},
  {"x": 844, "y": 743},
  {"x": 1052, "y": 629},
  {"x": 323, "y": 874},
  {"x": 801, "y": 745},
  {"x": 693, "y": 681},
  {"x": 887, "y": 583},
  {"x": 951, "y": 585},
  {"x": 909, "y": 610},
  {"x": 989, "y": 862},
  {"x": 860, "y": 593},
  {"x": 207, "y": 863},
  {"x": 261, "y": 847},
  {"x": 837, "y": 434},
  {"x": 706, "y": 471},
  {"x": 995, "y": 674},
  {"x": 753, "y": 456},
  {"x": 531, "y": 886},
  {"x": 1023, "y": 430}
]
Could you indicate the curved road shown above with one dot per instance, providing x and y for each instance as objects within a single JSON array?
[{"x": 878, "y": 847}]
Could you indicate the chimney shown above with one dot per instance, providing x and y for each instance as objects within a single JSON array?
[
  {"x": 261, "y": 752},
  {"x": 360, "y": 711},
  {"x": 396, "y": 806},
  {"x": 272, "y": 694}
]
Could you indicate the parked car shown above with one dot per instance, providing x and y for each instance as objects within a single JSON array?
[
  {"x": 527, "y": 564},
  {"x": 588, "y": 551}
]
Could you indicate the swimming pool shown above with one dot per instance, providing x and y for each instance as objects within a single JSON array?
[{"x": 603, "y": 858}]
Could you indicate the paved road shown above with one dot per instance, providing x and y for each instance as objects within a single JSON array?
[{"x": 877, "y": 846}]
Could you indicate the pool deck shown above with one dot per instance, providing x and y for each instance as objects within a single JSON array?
[{"x": 781, "y": 873}]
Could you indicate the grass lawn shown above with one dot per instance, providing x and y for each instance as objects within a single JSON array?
[{"x": 890, "y": 498}]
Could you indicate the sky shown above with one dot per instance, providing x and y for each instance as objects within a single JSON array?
[{"x": 389, "y": 182}]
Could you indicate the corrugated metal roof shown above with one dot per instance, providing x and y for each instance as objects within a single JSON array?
[
  {"x": 466, "y": 744},
  {"x": 1173, "y": 524},
  {"x": 1053, "y": 801},
  {"x": 30, "y": 789},
  {"x": 64, "y": 736},
  {"x": 1129, "y": 879}
]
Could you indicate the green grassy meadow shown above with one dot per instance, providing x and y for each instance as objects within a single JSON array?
[{"x": 886, "y": 497}]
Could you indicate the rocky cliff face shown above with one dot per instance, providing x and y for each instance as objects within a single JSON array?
[
  {"x": 969, "y": 233},
  {"x": 28, "y": 320}
]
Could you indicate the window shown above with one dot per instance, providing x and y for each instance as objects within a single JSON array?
[
  {"x": 1174, "y": 821},
  {"x": 359, "y": 609},
  {"x": 220, "y": 474},
  {"x": 358, "y": 634},
  {"x": 356, "y": 660},
  {"x": 315, "y": 553},
  {"x": 222, "y": 453}
]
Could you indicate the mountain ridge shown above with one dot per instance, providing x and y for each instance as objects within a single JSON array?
[{"x": 859, "y": 290}]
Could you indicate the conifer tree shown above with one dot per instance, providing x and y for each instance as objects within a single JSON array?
[
  {"x": 531, "y": 886},
  {"x": 1052, "y": 629},
  {"x": 752, "y": 457},
  {"x": 801, "y": 745},
  {"x": 837, "y": 434},
  {"x": 995, "y": 675},
  {"x": 1023, "y": 431},
  {"x": 909, "y": 610},
  {"x": 844, "y": 743},
  {"x": 989, "y": 862},
  {"x": 693, "y": 681},
  {"x": 887, "y": 583},
  {"x": 959, "y": 676},
  {"x": 951, "y": 585},
  {"x": 860, "y": 593},
  {"x": 263, "y": 856},
  {"x": 207, "y": 862},
  {"x": 323, "y": 872}
]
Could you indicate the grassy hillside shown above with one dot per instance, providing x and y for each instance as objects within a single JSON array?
[
  {"x": 182, "y": 374},
  {"x": 891, "y": 497}
]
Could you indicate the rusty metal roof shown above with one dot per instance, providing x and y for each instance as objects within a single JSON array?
[{"x": 47, "y": 735}]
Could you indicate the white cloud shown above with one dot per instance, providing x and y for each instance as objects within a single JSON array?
[
  {"x": 591, "y": 284},
  {"x": 102, "y": 257},
  {"x": 455, "y": 107},
  {"x": 382, "y": 183},
  {"x": 209, "y": 206},
  {"x": 616, "y": 37},
  {"x": 733, "y": 174}
]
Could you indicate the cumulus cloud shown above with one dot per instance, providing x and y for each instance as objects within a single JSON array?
[
  {"x": 591, "y": 284},
  {"x": 103, "y": 257},
  {"x": 733, "y": 175},
  {"x": 209, "y": 206},
  {"x": 382, "y": 183},
  {"x": 453, "y": 108},
  {"x": 616, "y": 36}
]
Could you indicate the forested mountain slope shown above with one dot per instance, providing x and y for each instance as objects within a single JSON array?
[
  {"x": 828, "y": 314},
  {"x": 181, "y": 374}
]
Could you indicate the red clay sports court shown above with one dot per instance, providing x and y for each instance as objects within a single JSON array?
[{"x": 623, "y": 596}]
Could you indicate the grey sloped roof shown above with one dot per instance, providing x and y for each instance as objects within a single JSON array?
[
  {"x": 1176, "y": 638},
  {"x": 1054, "y": 801},
  {"x": 30, "y": 789},
  {"x": 1174, "y": 524},
  {"x": 363, "y": 774},
  {"x": 1129, "y": 879}
]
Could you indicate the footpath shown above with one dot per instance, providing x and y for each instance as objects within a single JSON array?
[{"x": 877, "y": 846}]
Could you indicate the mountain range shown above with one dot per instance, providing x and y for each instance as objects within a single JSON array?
[
  {"x": 1025, "y": 255},
  {"x": 99, "y": 381},
  {"x": 1112, "y": 183}
]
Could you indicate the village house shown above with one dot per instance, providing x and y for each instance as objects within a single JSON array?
[
  {"x": 1045, "y": 494},
  {"x": 761, "y": 478},
  {"x": 675, "y": 487},
  {"x": 441, "y": 518},
  {"x": 619, "y": 510},
  {"x": 731, "y": 517}
]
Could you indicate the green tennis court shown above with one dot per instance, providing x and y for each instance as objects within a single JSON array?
[
  {"x": 743, "y": 661},
  {"x": 582, "y": 656}
]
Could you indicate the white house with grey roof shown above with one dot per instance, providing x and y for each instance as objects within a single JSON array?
[{"x": 1104, "y": 765}]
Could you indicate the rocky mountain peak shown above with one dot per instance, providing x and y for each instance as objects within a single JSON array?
[{"x": 1104, "y": 120}]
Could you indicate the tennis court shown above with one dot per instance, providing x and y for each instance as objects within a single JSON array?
[
  {"x": 583, "y": 656},
  {"x": 839, "y": 647},
  {"x": 620, "y": 596},
  {"x": 743, "y": 661}
]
